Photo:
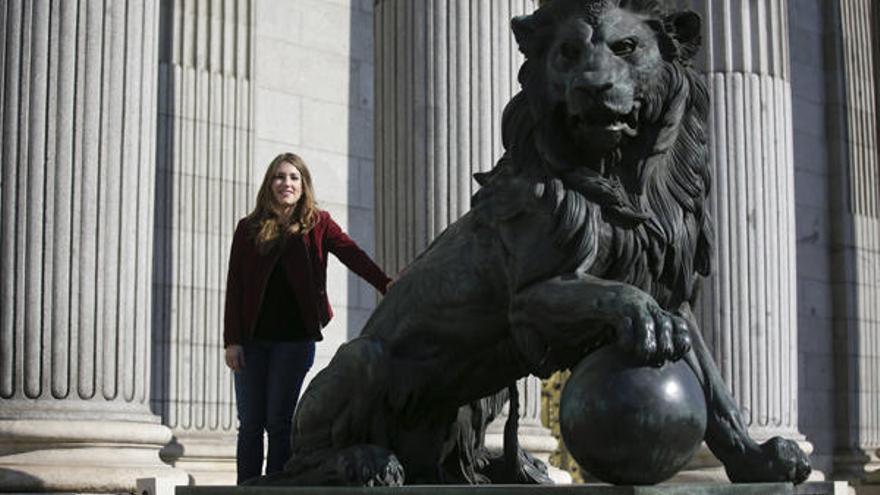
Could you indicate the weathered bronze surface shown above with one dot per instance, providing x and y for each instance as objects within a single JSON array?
[
  {"x": 626, "y": 423},
  {"x": 591, "y": 230}
]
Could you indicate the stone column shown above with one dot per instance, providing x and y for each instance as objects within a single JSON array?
[
  {"x": 205, "y": 184},
  {"x": 444, "y": 71},
  {"x": 855, "y": 211},
  {"x": 754, "y": 319},
  {"x": 749, "y": 306},
  {"x": 76, "y": 241}
]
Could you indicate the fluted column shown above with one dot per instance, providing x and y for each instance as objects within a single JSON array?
[
  {"x": 749, "y": 306},
  {"x": 753, "y": 322},
  {"x": 76, "y": 240},
  {"x": 856, "y": 239},
  {"x": 205, "y": 185},
  {"x": 444, "y": 71}
]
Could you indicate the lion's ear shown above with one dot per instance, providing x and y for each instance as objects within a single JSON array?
[
  {"x": 685, "y": 28},
  {"x": 523, "y": 28}
]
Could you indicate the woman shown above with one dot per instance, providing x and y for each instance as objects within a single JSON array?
[{"x": 276, "y": 305}]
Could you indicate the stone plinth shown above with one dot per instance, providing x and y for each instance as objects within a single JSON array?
[{"x": 824, "y": 488}]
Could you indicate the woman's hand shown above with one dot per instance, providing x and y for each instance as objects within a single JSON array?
[{"x": 235, "y": 357}]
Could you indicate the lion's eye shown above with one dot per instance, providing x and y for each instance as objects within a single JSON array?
[
  {"x": 570, "y": 51},
  {"x": 624, "y": 47}
]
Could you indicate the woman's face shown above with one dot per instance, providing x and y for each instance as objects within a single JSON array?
[{"x": 287, "y": 185}]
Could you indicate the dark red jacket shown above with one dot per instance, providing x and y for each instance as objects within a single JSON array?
[{"x": 306, "y": 263}]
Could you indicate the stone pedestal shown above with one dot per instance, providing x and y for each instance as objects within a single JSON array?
[
  {"x": 835, "y": 488},
  {"x": 444, "y": 71},
  {"x": 76, "y": 238}
]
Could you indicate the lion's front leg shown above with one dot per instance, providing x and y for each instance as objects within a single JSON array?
[
  {"x": 556, "y": 321},
  {"x": 727, "y": 435}
]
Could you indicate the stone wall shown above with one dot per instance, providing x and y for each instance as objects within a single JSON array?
[
  {"x": 855, "y": 228},
  {"x": 808, "y": 31},
  {"x": 314, "y": 96}
]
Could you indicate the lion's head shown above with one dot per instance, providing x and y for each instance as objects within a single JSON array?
[
  {"x": 596, "y": 73},
  {"x": 611, "y": 106}
]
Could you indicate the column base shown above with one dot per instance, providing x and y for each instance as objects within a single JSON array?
[
  {"x": 208, "y": 458},
  {"x": 82, "y": 456},
  {"x": 858, "y": 466},
  {"x": 869, "y": 484}
]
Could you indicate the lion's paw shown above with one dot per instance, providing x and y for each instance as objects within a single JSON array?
[
  {"x": 650, "y": 333},
  {"x": 369, "y": 465},
  {"x": 779, "y": 460}
]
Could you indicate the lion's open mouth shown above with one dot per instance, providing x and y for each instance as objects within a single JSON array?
[
  {"x": 599, "y": 121},
  {"x": 586, "y": 136}
]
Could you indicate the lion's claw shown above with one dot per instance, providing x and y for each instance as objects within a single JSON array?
[{"x": 650, "y": 333}]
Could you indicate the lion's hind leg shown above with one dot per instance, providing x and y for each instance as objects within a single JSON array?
[
  {"x": 727, "y": 435},
  {"x": 342, "y": 421}
]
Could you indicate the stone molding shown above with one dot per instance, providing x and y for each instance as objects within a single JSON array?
[{"x": 81, "y": 456}]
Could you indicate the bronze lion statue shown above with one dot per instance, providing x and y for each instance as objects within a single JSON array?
[{"x": 591, "y": 230}]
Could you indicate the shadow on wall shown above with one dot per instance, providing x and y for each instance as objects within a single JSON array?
[
  {"x": 162, "y": 220},
  {"x": 20, "y": 480},
  {"x": 360, "y": 12}
]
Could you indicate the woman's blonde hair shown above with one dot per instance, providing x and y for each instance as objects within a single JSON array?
[{"x": 268, "y": 219}]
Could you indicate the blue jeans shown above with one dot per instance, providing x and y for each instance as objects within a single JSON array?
[{"x": 266, "y": 392}]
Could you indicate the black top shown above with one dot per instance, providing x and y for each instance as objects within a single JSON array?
[{"x": 279, "y": 318}]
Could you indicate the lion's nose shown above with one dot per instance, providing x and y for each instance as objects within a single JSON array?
[{"x": 592, "y": 90}]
